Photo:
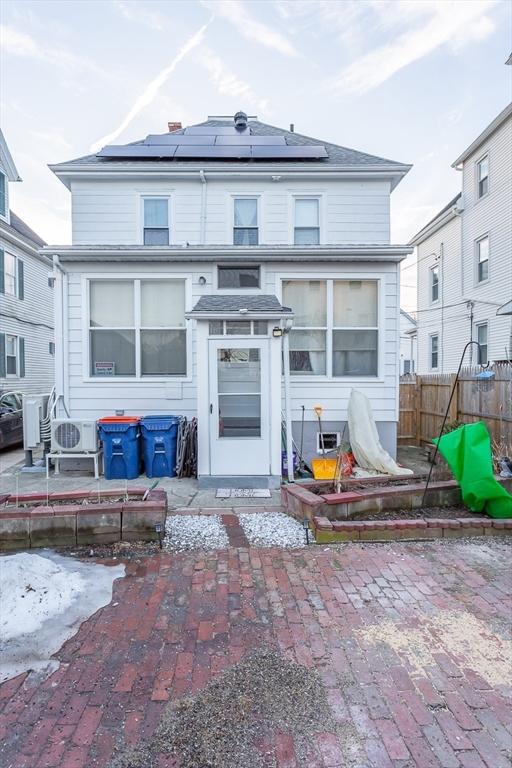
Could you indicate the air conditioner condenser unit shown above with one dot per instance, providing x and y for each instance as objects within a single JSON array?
[{"x": 74, "y": 436}]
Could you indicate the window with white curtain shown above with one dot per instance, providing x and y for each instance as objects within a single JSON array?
[
  {"x": 11, "y": 355},
  {"x": 137, "y": 328},
  {"x": 307, "y": 224},
  {"x": 10, "y": 274},
  {"x": 156, "y": 221},
  {"x": 340, "y": 341},
  {"x": 245, "y": 221}
]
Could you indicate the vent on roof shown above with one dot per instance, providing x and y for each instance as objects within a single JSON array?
[{"x": 240, "y": 121}]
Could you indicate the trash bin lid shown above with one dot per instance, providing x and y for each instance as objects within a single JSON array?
[{"x": 119, "y": 420}]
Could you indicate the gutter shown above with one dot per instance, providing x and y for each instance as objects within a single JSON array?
[{"x": 202, "y": 177}]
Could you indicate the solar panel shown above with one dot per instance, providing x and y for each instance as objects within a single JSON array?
[
  {"x": 296, "y": 151},
  {"x": 253, "y": 140},
  {"x": 168, "y": 139},
  {"x": 214, "y": 152},
  {"x": 214, "y": 129},
  {"x": 137, "y": 150}
]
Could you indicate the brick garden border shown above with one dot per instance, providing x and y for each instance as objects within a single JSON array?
[{"x": 30, "y": 524}]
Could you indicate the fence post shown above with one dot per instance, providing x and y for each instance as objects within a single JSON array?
[
  {"x": 453, "y": 413},
  {"x": 417, "y": 395}
]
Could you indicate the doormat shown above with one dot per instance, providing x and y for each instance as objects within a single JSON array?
[{"x": 242, "y": 493}]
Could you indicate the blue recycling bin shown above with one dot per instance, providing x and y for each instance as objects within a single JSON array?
[
  {"x": 160, "y": 441},
  {"x": 120, "y": 436}
]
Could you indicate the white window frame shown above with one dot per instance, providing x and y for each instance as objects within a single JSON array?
[
  {"x": 487, "y": 237},
  {"x": 430, "y": 351},
  {"x": 15, "y": 375},
  {"x": 477, "y": 175},
  {"x": 9, "y": 255},
  {"x": 431, "y": 281},
  {"x": 318, "y": 198},
  {"x": 236, "y": 291},
  {"x": 478, "y": 326},
  {"x": 136, "y": 378},
  {"x": 330, "y": 278},
  {"x": 259, "y": 219},
  {"x": 319, "y": 443},
  {"x": 170, "y": 222}
]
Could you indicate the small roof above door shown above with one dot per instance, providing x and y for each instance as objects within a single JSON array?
[{"x": 249, "y": 305}]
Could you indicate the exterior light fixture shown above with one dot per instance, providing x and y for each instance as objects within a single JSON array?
[
  {"x": 158, "y": 529},
  {"x": 202, "y": 280},
  {"x": 277, "y": 332}
]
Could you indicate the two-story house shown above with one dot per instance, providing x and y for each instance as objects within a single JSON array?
[
  {"x": 198, "y": 255},
  {"x": 464, "y": 258},
  {"x": 27, "y": 350}
]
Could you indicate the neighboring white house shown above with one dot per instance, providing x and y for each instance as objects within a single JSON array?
[
  {"x": 27, "y": 352},
  {"x": 408, "y": 343},
  {"x": 464, "y": 258},
  {"x": 193, "y": 251}
]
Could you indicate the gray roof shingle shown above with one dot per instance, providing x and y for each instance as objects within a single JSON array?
[
  {"x": 337, "y": 154},
  {"x": 229, "y": 303}
]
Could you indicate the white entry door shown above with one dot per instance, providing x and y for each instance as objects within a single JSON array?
[{"x": 239, "y": 407}]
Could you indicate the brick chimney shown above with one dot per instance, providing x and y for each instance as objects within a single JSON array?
[{"x": 174, "y": 127}]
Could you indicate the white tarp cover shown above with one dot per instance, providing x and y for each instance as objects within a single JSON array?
[{"x": 364, "y": 438}]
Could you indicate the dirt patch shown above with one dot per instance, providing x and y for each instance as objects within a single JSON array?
[
  {"x": 231, "y": 723},
  {"x": 444, "y": 513},
  {"x": 121, "y": 550},
  {"x": 459, "y": 634}
]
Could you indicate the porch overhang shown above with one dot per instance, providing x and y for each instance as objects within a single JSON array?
[{"x": 239, "y": 307}]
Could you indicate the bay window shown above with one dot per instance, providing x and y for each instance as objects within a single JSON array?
[
  {"x": 137, "y": 328},
  {"x": 335, "y": 330},
  {"x": 307, "y": 227},
  {"x": 245, "y": 221}
]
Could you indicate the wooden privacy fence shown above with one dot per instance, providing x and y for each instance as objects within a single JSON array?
[{"x": 424, "y": 399}]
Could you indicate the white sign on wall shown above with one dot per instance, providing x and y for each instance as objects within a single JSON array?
[{"x": 104, "y": 369}]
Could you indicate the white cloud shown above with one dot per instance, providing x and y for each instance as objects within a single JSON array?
[
  {"x": 236, "y": 13},
  {"x": 151, "y": 90},
  {"x": 227, "y": 82},
  {"x": 17, "y": 43},
  {"x": 141, "y": 14},
  {"x": 448, "y": 22}
]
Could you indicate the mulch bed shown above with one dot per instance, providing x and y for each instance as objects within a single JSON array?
[{"x": 444, "y": 513}]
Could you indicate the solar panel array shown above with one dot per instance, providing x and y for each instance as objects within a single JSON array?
[{"x": 215, "y": 143}]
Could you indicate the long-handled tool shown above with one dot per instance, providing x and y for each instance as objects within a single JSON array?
[{"x": 323, "y": 469}]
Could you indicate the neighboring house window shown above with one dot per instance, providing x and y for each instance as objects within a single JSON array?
[
  {"x": 408, "y": 366},
  {"x": 483, "y": 176},
  {"x": 137, "y": 328},
  {"x": 307, "y": 227},
  {"x": 350, "y": 331},
  {"x": 51, "y": 347},
  {"x": 238, "y": 277},
  {"x": 3, "y": 195},
  {"x": 156, "y": 221},
  {"x": 10, "y": 274},
  {"x": 434, "y": 351},
  {"x": 481, "y": 337},
  {"x": 245, "y": 221},
  {"x": 482, "y": 256},
  {"x": 434, "y": 283},
  {"x": 11, "y": 355}
]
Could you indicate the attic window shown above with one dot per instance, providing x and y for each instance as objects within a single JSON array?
[{"x": 156, "y": 221}]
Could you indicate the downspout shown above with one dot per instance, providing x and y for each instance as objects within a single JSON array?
[
  {"x": 202, "y": 176},
  {"x": 61, "y": 344},
  {"x": 287, "y": 401}
]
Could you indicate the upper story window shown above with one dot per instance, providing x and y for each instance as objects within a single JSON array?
[
  {"x": 482, "y": 259},
  {"x": 483, "y": 176},
  {"x": 245, "y": 221},
  {"x": 481, "y": 337},
  {"x": 137, "y": 328},
  {"x": 340, "y": 342},
  {"x": 156, "y": 221},
  {"x": 434, "y": 283},
  {"x": 306, "y": 226},
  {"x": 3, "y": 194},
  {"x": 12, "y": 281},
  {"x": 11, "y": 355},
  {"x": 434, "y": 351},
  {"x": 238, "y": 277}
]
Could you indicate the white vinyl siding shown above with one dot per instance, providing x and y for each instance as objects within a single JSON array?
[{"x": 3, "y": 195}]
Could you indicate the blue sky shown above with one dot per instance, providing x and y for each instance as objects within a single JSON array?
[{"x": 412, "y": 81}]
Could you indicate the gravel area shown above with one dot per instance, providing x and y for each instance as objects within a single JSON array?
[
  {"x": 228, "y": 723},
  {"x": 186, "y": 532},
  {"x": 272, "y": 529}
]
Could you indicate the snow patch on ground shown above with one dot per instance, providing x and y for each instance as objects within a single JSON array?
[
  {"x": 44, "y": 599},
  {"x": 272, "y": 529},
  {"x": 187, "y": 532}
]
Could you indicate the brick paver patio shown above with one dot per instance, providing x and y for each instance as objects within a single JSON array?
[{"x": 410, "y": 640}]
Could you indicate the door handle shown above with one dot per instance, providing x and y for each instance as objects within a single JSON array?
[{"x": 211, "y": 407}]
